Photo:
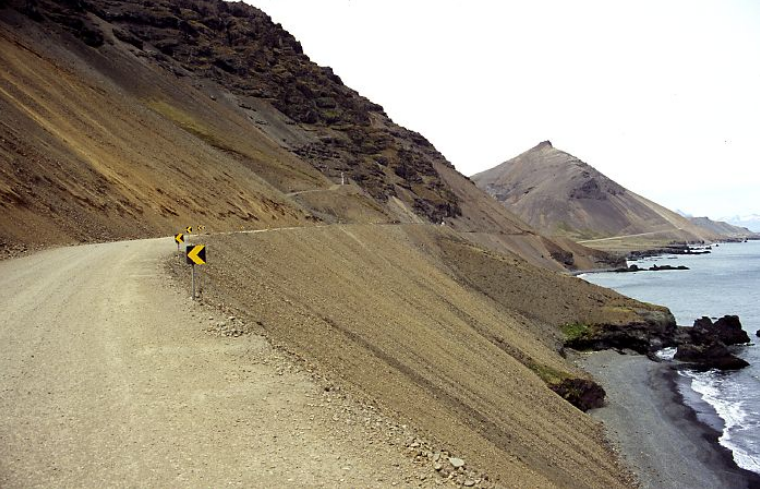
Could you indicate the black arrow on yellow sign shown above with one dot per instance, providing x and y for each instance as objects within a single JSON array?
[
  {"x": 196, "y": 255},
  {"x": 189, "y": 230},
  {"x": 179, "y": 238}
]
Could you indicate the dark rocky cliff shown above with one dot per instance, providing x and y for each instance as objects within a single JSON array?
[{"x": 242, "y": 49}]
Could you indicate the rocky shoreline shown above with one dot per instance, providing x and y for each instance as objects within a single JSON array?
[
  {"x": 676, "y": 249},
  {"x": 657, "y": 434},
  {"x": 703, "y": 346},
  {"x": 655, "y": 268}
]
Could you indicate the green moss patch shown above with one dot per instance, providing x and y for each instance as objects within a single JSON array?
[
  {"x": 190, "y": 124},
  {"x": 549, "y": 375},
  {"x": 575, "y": 331}
]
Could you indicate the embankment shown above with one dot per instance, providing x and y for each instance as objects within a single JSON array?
[{"x": 386, "y": 312}]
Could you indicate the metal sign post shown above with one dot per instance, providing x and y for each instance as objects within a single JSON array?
[
  {"x": 192, "y": 267},
  {"x": 179, "y": 238},
  {"x": 195, "y": 255}
]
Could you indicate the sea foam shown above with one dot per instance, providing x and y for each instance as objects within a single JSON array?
[{"x": 726, "y": 396}]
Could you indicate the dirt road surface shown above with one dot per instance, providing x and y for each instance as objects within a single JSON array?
[
  {"x": 109, "y": 377},
  {"x": 612, "y": 238}
]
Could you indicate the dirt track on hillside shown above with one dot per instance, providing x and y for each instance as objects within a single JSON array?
[{"x": 110, "y": 377}]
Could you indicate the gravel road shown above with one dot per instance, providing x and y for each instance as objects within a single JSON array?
[{"x": 109, "y": 378}]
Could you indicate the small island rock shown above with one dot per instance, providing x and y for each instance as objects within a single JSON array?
[{"x": 727, "y": 329}]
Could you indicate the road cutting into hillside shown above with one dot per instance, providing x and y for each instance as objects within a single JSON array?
[
  {"x": 110, "y": 377},
  {"x": 332, "y": 188},
  {"x": 612, "y": 238}
]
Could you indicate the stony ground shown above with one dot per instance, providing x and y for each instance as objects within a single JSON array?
[
  {"x": 384, "y": 312},
  {"x": 659, "y": 435},
  {"x": 113, "y": 377}
]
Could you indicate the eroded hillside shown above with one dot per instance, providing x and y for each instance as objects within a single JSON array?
[
  {"x": 135, "y": 119},
  {"x": 452, "y": 338},
  {"x": 132, "y": 119}
]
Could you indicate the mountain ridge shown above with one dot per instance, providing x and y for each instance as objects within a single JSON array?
[
  {"x": 723, "y": 228},
  {"x": 561, "y": 195},
  {"x": 222, "y": 84},
  {"x": 750, "y": 221}
]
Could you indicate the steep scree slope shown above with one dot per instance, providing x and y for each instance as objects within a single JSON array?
[
  {"x": 134, "y": 119},
  {"x": 452, "y": 338}
]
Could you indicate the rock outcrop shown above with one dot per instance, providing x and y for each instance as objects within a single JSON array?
[
  {"x": 708, "y": 355},
  {"x": 657, "y": 330},
  {"x": 659, "y": 268},
  {"x": 655, "y": 268},
  {"x": 705, "y": 345},
  {"x": 240, "y": 48},
  {"x": 727, "y": 329},
  {"x": 581, "y": 393},
  {"x": 678, "y": 249}
]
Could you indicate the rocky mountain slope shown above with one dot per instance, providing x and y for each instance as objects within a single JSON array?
[
  {"x": 456, "y": 340},
  {"x": 750, "y": 221},
  {"x": 127, "y": 119},
  {"x": 723, "y": 228},
  {"x": 562, "y": 196}
]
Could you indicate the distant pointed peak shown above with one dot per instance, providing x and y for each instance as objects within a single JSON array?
[{"x": 544, "y": 144}]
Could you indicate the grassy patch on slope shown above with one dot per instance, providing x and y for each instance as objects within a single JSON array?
[
  {"x": 549, "y": 375},
  {"x": 189, "y": 124},
  {"x": 575, "y": 331}
]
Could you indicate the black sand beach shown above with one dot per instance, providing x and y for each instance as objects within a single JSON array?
[{"x": 660, "y": 437}]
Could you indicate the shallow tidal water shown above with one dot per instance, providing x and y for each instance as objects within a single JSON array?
[{"x": 727, "y": 281}]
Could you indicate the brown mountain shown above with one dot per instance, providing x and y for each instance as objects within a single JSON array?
[
  {"x": 562, "y": 196},
  {"x": 128, "y": 119},
  {"x": 122, "y": 119},
  {"x": 722, "y": 228}
]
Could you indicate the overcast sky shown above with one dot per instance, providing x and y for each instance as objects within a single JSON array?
[{"x": 662, "y": 96}]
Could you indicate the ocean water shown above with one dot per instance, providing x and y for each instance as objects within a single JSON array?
[{"x": 727, "y": 281}]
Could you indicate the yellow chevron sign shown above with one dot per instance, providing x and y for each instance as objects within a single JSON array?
[
  {"x": 196, "y": 255},
  {"x": 189, "y": 230},
  {"x": 179, "y": 238}
]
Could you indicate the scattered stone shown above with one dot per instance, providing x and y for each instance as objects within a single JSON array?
[
  {"x": 658, "y": 268},
  {"x": 456, "y": 462},
  {"x": 469, "y": 483},
  {"x": 437, "y": 466}
]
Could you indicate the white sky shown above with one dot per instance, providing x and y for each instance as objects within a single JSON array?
[{"x": 661, "y": 96}]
